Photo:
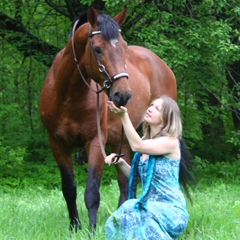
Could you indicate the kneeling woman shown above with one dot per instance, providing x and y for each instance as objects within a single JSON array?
[{"x": 160, "y": 212}]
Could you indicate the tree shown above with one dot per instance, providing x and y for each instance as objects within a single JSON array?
[{"x": 198, "y": 39}]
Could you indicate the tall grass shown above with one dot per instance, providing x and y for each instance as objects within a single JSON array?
[
  {"x": 38, "y": 213},
  {"x": 215, "y": 212}
]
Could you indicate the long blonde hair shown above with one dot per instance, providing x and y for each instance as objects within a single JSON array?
[{"x": 171, "y": 120}]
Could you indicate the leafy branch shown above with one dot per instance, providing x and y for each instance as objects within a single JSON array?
[{"x": 15, "y": 33}]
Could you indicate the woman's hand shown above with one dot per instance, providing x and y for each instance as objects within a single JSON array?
[
  {"x": 122, "y": 164},
  {"x": 113, "y": 159},
  {"x": 120, "y": 111}
]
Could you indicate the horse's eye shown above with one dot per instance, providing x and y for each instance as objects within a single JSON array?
[{"x": 98, "y": 50}]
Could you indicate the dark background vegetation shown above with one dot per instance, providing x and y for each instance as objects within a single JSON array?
[{"x": 199, "y": 40}]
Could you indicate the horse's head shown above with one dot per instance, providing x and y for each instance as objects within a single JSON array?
[{"x": 105, "y": 55}]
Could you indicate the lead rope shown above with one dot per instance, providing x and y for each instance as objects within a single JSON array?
[
  {"x": 119, "y": 155},
  {"x": 99, "y": 126}
]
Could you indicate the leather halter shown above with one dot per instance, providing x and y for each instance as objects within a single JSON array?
[{"x": 110, "y": 80}]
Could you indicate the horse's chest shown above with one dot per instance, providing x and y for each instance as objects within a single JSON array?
[{"x": 75, "y": 132}]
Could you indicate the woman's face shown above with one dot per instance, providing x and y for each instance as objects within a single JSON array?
[{"x": 153, "y": 114}]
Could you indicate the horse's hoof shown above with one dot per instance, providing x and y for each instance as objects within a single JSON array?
[{"x": 75, "y": 225}]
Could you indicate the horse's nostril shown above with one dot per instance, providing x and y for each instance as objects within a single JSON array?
[
  {"x": 117, "y": 99},
  {"x": 129, "y": 95},
  {"x": 121, "y": 100}
]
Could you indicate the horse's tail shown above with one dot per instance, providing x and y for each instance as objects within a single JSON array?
[{"x": 186, "y": 177}]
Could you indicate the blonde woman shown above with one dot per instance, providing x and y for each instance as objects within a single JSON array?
[{"x": 160, "y": 211}]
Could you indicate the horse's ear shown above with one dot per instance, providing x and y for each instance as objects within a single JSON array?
[
  {"x": 92, "y": 16},
  {"x": 121, "y": 17}
]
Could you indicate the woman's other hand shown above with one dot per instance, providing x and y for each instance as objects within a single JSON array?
[{"x": 113, "y": 159}]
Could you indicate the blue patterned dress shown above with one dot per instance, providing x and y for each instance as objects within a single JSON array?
[{"x": 160, "y": 212}]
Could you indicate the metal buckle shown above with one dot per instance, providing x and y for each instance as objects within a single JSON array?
[
  {"x": 107, "y": 84},
  {"x": 101, "y": 68}
]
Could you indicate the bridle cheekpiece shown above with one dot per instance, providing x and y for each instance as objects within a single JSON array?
[{"x": 110, "y": 80}]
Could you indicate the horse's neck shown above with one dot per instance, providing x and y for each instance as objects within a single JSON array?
[{"x": 68, "y": 75}]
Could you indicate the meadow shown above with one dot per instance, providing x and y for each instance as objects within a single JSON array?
[{"x": 37, "y": 213}]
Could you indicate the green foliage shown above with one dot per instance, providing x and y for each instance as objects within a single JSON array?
[
  {"x": 87, "y": 2},
  {"x": 197, "y": 44},
  {"x": 209, "y": 172},
  {"x": 42, "y": 170},
  {"x": 8, "y": 154},
  {"x": 199, "y": 41},
  {"x": 235, "y": 138}
]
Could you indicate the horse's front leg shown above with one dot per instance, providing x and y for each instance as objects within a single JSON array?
[
  {"x": 63, "y": 157},
  {"x": 95, "y": 170}
]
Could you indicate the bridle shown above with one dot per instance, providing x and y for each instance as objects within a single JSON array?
[
  {"x": 110, "y": 80},
  {"x": 106, "y": 84}
]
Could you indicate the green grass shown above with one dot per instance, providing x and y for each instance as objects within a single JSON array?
[
  {"x": 37, "y": 213},
  {"x": 215, "y": 212}
]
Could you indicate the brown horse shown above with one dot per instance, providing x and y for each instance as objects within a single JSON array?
[{"x": 68, "y": 102}]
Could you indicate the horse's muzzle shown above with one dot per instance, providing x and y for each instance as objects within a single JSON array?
[{"x": 120, "y": 99}]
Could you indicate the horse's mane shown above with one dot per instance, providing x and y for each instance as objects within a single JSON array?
[
  {"x": 82, "y": 18},
  {"x": 106, "y": 24}
]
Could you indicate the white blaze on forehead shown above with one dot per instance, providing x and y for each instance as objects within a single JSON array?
[{"x": 113, "y": 42}]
